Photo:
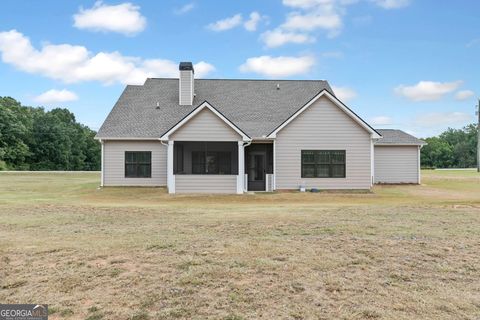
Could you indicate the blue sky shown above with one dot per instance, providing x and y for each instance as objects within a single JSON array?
[{"x": 408, "y": 64}]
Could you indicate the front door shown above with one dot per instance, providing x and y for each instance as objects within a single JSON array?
[{"x": 256, "y": 171}]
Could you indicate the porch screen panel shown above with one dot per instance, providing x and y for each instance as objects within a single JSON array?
[{"x": 220, "y": 158}]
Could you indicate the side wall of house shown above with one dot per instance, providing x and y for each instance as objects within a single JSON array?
[
  {"x": 396, "y": 164},
  {"x": 114, "y": 163},
  {"x": 323, "y": 126}
]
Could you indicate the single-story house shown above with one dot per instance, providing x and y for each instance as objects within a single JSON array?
[{"x": 232, "y": 136}]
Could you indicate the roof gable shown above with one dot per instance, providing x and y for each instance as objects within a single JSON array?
[
  {"x": 338, "y": 103},
  {"x": 204, "y": 110}
]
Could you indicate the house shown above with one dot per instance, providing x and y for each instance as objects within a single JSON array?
[{"x": 231, "y": 136}]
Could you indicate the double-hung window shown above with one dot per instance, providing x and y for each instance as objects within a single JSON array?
[
  {"x": 323, "y": 164},
  {"x": 138, "y": 164}
]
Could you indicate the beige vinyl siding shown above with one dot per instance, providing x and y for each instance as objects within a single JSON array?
[
  {"x": 396, "y": 164},
  {"x": 114, "y": 163},
  {"x": 191, "y": 183},
  {"x": 205, "y": 126},
  {"x": 323, "y": 126},
  {"x": 186, "y": 87}
]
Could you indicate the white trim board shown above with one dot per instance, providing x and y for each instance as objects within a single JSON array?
[
  {"x": 192, "y": 114},
  {"x": 339, "y": 104},
  {"x": 397, "y": 145},
  {"x": 125, "y": 138}
]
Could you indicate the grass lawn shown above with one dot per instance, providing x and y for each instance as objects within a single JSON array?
[{"x": 400, "y": 252}]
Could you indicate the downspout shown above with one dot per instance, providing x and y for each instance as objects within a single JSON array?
[
  {"x": 161, "y": 141},
  {"x": 372, "y": 159},
  {"x": 419, "y": 165},
  {"x": 102, "y": 166}
]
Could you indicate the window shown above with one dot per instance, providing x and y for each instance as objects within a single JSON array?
[
  {"x": 323, "y": 164},
  {"x": 138, "y": 164},
  {"x": 211, "y": 162}
]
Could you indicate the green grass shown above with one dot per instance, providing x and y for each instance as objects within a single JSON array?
[{"x": 400, "y": 252}]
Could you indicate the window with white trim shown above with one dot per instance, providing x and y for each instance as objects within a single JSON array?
[{"x": 323, "y": 163}]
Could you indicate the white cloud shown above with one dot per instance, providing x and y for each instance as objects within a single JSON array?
[
  {"x": 381, "y": 121},
  {"x": 55, "y": 96},
  {"x": 278, "y": 66},
  {"x": 464, "y": 94},
  {"x": 69, "y": 63},
  {"x": 122, "y": 18},
  {"x": 324, "y": 19},
  {"x": 278, "y": 37},
  {"x": 344, "y": 94},
  {"x": 226, "y": 24},
  {"x": 311, "y": 15},
  {"x": 443, "y": 119},
  {"x": 185, "y": 8},
  {"x": 251, "y": 24},
  {"x": 427, "y": 90},
  {"x": 306, "y": 4},
  {"x": 234, "y": 21},
  {"x": 391, "y": 4},
  {"x": 201, "y": 69}
]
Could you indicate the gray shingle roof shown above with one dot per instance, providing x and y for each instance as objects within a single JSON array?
[
  {"x": 254, "y": 106},
  {"x": 397, "y": 137}
]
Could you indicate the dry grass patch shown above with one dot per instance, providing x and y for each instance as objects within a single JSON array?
[{"x": 397, "y": 253}]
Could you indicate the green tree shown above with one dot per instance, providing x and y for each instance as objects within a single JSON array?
[
  {"x": 92, "y": 150},
  {"x": 31, "y": 138},
  {"x": 13, "y": 132},
  {"x": 453, "y": 148},
  {"x": 437, "y": 153}
]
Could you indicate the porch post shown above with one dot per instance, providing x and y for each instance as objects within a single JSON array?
[
  {"x": 170, "y": 175},
  {"x": 241, "y": 167}
]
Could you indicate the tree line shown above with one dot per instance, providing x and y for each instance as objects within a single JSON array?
[
  {"x": 454, "y": 148},
  {"x": 35, "y": 139}
]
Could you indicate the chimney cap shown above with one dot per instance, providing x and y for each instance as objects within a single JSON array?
[{"x": 185, "y": 66}]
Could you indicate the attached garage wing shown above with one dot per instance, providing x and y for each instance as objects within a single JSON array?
[
  {"x": 397, "y": 157},
  {"x": 397, "y": 164}
]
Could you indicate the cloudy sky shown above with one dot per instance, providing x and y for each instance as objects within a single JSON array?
[{"x": 408, "y": 64}]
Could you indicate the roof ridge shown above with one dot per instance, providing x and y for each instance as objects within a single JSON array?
[{"x": 244, "y": 79}]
